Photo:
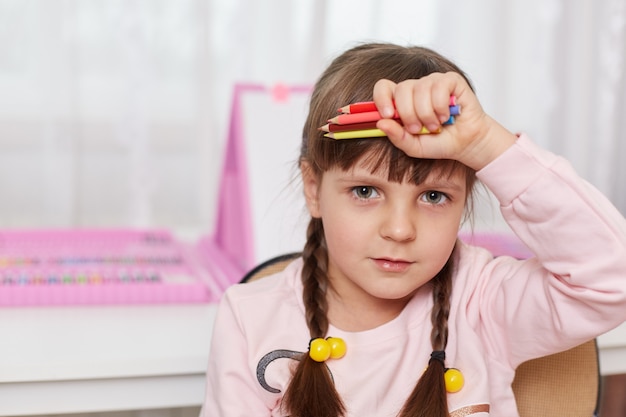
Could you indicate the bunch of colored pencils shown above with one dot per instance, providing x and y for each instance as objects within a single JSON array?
[{"x": 358, "y": 121}]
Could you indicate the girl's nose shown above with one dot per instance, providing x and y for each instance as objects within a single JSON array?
[{"x": 399, "y": 224}]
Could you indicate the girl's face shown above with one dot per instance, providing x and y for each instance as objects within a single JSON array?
[{"x": 385, "y": 239}]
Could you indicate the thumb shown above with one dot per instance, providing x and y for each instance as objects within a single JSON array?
[{"x": 430, "y": 146}]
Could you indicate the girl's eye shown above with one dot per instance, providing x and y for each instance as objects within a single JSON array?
[
  {"x": 364, "y": 192},
  {"x": 434, "y": 197}
]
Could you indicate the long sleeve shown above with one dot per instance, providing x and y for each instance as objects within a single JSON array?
[{"x": 575, "y": 288}]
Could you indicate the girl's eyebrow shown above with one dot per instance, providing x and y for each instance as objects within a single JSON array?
[
  {"x": 437, "y": 183},
  {"x": 350, "y": 179},
  {"x": 351, "y": 176},
  {"x": 445, "y": 184}
]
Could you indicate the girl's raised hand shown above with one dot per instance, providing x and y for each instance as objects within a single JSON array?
[{"x": 475, "y": 139}]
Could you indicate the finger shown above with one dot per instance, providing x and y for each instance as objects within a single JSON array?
[
  {"x": 406, "y": 105},
  {"x": 408, "y": 143},
  {"x": 423, "y": 102},
  {"x": 391, "y": 127},
  {"x": 403, "y": 139},
  {"x": 384, "y": 97},
  {"x": 454, "y": 84},
  {"x": 429, "y": 146},
  {"x": 441, "y": 93}
]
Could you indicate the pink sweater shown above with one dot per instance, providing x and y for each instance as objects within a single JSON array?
[{"x": 504, "y": 311}]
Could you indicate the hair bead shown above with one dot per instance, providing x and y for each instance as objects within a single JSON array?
[
  {"x": 337, "y": 347},
  {"x": 320, "y": 350},
  {"x": 454, "y": 380}
]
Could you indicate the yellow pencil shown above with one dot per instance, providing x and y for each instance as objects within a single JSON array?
[{"x": 367, "y": 133}]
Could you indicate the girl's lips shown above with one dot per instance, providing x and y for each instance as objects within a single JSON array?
[{"x": 392, "y": 265}]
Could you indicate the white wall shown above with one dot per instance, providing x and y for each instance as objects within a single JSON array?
[{"x": 116, "y": 112}]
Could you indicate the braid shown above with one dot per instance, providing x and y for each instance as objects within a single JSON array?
[
  {"x": 442, "y": 287},
  {"x": 311, "y": 391},
  {"x": 314, "y": 279},
  {"x": 429, "y": 398}
]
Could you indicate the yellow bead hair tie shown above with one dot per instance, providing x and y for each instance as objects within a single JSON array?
[
  {"x": 454, "y": 380},
  {"x": 320, "y": 350},
  {"x": 453, "y": 377}
]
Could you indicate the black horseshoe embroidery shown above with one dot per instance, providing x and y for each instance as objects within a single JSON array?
[
  {"x": 267, "y": 359},
  {"x": 272, "y": 356}
]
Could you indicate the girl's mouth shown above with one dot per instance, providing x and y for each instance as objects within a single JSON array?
[{"x": 392, "y": 265}]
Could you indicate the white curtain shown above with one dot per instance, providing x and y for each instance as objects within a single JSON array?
[{"x": 114, "y": 112}]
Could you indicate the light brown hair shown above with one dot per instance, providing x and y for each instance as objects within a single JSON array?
[{"x": 350, "y": 78}]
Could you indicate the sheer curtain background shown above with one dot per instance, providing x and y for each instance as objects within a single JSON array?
[{"x": 115, "y": 112}]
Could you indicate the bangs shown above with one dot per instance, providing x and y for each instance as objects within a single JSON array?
[
  {"x": 380, "y": 156},
  {"x": 344, "y": 82}
]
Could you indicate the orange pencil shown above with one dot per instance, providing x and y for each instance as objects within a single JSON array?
[
  {"x": 350, "y": 118},
  {"x": 370, "y": 116}
]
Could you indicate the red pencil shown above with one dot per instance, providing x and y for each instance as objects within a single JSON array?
[
  {"x": 360, "y": 107},
  {"x": 368, "y": 106},
  {"x": 332, "y": 127}
]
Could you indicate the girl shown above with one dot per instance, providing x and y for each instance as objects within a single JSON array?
[{"x": 429, "y": 326}]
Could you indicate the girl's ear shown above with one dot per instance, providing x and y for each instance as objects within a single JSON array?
[{"x": 311, "y": 185}]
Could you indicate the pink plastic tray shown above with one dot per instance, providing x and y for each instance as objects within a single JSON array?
[{"x": 60, "y": 267}]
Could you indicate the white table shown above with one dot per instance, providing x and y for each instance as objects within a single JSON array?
[
  {"x": 96, "y": 359},
  {"x": 613, "y": 351},
  {"x": 92, "y": 359}
]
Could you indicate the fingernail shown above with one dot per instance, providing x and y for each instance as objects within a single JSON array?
[
  {"x": 387, "y": 112},
  {"x": 414, "y": 129},
  {"x": 433, "y": 127}
]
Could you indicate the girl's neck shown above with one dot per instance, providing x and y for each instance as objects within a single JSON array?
[{"x": 362, "y": 313}]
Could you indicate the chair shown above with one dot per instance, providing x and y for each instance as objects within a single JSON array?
[
  {"x": 562, "y": 384},
  {"x": 565, "y": 384},
  {"x": 271, "y": 266}
]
